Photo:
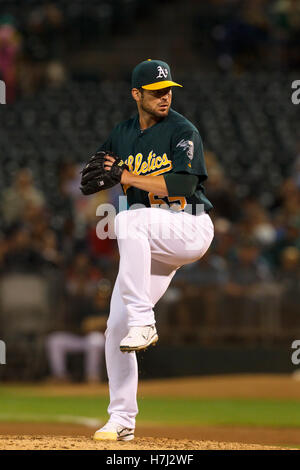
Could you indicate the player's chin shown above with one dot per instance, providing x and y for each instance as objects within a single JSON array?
[{"x": 163, "y": 111}]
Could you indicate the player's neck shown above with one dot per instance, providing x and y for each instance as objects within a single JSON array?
[{"x": 147, "y": 120}]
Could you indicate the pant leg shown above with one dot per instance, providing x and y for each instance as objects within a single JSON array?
[
  {"x": 135, "y": 269},
  {"x": 147, "y": 265},
  {"x": 121, "y": 367},
  {"x": 145, "y": 234}
]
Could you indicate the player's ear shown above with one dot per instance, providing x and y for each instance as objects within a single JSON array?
[{"x": 136, "y": 94}]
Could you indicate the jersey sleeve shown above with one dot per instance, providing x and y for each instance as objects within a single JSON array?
[{"x": 187, "y": 153}]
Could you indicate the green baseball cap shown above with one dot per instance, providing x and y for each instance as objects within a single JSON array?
[{"x": 152, "y": 75}]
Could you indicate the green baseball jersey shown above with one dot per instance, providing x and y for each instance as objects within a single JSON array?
[{"x": 173, "y": 145}]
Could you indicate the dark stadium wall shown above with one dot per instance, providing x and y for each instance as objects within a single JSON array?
[{"x": 177, "y": 361}]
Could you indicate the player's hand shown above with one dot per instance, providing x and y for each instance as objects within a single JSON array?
[
  {"x": 109, "y": 160},
  {"x": 102, "y": 171}
]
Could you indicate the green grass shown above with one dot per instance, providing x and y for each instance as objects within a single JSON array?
[
  {"x": 25, "y": 406},
  {"x": 222, "y": 412}
]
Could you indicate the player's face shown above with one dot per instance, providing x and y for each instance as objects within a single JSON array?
[{"x": 156, "y": 102}]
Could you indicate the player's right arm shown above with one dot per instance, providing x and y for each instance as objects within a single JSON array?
[
  {"x": 180, "y": 184},
  {"x": 153, "y": 184}
]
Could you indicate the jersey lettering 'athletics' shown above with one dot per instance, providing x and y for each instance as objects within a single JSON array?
[{"x": 173, "y": 145}]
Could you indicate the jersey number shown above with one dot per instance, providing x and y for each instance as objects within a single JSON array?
[{"x": 170, "y": 200}]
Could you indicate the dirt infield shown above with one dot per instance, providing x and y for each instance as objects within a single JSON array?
[
  {"x": 73, "y": 436},
  {"x": 39, "y": 436},
  {"x": 140, "y": 443}
]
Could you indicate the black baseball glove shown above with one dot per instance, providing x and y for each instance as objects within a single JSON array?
[{"x": 96, "y": 178}]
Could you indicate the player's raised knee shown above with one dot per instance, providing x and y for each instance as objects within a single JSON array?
[{"x": 129, "y": 224}]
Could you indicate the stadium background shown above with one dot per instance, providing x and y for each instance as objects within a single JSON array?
[{"x": 67, "y": 69}]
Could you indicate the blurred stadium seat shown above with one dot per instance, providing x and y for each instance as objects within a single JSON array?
[
  {"x": 24, "y": 320},
  {"x": 252, "y": 137}
]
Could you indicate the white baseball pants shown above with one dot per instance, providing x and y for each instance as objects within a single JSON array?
[{"x": 153, "y": 244}]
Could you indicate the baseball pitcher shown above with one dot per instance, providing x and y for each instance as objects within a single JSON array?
[{"x": 157, "y": 156}]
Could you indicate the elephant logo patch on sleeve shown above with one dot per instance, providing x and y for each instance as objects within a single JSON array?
[{"x": 187, "y": 145}]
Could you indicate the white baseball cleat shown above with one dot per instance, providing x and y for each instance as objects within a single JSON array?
[
  {"x": 139, "y": 338},
  {"x": 114, "y": 432}
]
